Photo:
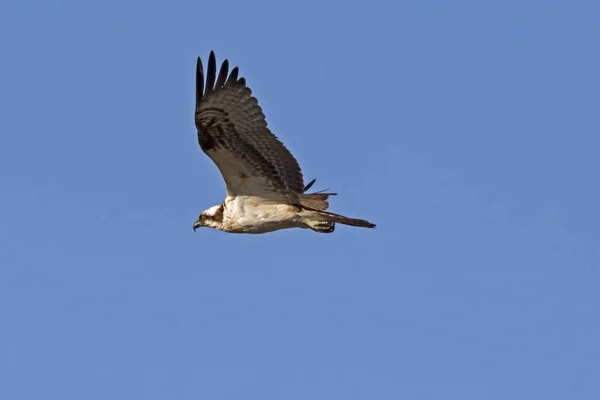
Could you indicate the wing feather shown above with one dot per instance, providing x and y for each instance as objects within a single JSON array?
[
  {"x": 211, "y": 73},
  {"x": 222, "y": 74},
  {"x": 233, "y": 132},
  {"x": 233, "y": 77},
  {"x": 199, "y": 82}
]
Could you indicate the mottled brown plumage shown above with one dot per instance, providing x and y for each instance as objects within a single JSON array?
[{"x": 229, "y": 120}]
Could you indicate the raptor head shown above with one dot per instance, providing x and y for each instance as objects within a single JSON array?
[{"x": 211, "y": 217}]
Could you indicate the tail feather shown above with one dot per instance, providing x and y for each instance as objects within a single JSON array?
[
  {"x": 331, "y": 217},
  {"x": 316, "y": 201}
]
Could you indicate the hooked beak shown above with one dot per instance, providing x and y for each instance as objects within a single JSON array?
[{"x": 197, "y": 225}]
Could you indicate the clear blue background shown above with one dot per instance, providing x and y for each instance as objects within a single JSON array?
[{"x": 469, "y": 131}]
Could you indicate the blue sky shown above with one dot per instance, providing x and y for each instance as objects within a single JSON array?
[{"x": 467, "y": 130}]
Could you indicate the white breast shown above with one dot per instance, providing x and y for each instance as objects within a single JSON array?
[{"x": 257, "y": 215}]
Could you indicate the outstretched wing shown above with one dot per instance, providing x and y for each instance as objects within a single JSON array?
[{"x": 233, "y": 132}]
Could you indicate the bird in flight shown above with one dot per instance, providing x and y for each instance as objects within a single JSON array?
[{"x": 264, "y": 184}]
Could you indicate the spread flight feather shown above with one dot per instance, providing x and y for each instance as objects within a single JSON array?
[{"x": 233, "y": 132}]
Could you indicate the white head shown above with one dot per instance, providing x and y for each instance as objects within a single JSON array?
[{"x": 211, "y": 217}]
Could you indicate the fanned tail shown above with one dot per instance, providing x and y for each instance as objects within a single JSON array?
[{"x": 316, "y": 201}]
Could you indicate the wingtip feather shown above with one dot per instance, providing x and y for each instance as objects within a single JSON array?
[
  {"x": 199, "y": 82},
  {"x": 233, "y": 76},
  {"x": 222, "y": 74},
  {"x": 211, "y": 72}
]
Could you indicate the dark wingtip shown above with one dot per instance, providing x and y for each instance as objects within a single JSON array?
[
  {"x": 211, "y": 72},
  {"x": 222, "y": 74},
  {"x": 199, "y": 82},
  {"x": 233, "y": 77}
]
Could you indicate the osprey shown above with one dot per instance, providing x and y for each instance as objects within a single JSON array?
[{"x": 264, "y": 184}]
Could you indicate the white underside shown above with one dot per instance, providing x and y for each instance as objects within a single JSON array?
[{"x": 249, "y": 214}]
